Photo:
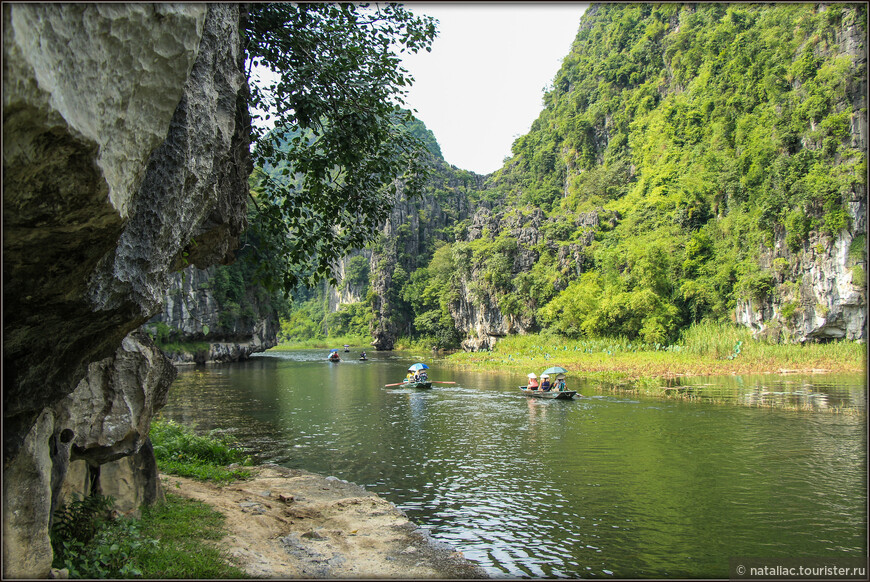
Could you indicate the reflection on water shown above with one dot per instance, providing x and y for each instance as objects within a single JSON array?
[
  {"x": 601, "y": 486},
  {"x": 819, "y": 392}
]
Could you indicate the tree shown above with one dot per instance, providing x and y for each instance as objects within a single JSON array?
[{"x": 337, "y": 103}]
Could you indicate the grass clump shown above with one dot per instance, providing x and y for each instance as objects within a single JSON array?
[
  {"x": 166, "y": 542},
  {"x": 184, "y": 347},
  {"x": 179, "y": 451}
]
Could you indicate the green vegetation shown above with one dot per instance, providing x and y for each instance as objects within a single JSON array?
[
  {"x": 703, "y": 349},
  {"x": 166, "y": 339},
  {"x": 682, "y": 149},
  {"x": 171, "y": 540},
  {"x": 341, "y": 143},
  {"x": 179, "y": 451},
  {"x": 357, "y": 342},
  {"x": 183, "y": 529}
]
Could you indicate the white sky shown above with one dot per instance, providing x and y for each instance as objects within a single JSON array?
[{"x": 482, "y": 85}]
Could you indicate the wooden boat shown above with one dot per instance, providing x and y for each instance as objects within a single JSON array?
[
  {"x": 426, "y": 384},
  {"x": 334, "y": 358},
  {"x": 552, "y": 394}
]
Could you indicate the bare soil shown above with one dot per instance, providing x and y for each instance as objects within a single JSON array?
[{"x": 288, "y": 523}]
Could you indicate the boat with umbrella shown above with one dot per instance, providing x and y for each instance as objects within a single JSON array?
[
  {"x": 417, "y": 377},
  {"x": 333, "y": 356},
  {"x": 558, "y": 390},
  {"x": 422, "y": 378}
]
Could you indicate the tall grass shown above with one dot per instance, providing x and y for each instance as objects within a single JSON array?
[
  {"x": 715, "y": 340},
  {"x": 184, "y": 529},
  {"x": 704, "y": 349},
  {"x": 357, "y": 343}
]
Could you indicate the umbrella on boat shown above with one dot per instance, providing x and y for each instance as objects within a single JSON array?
[
  {"x": 556, "y": 370},
  {"x": 418, "y": 366},
  {"x": 330, "y": 351}
]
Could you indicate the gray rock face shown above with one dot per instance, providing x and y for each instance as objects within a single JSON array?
[
  {"x": 194, "y": 314},
  {"x": 125, "y": 155},
  {"x": 27, "y": 505},
  {"x": 412, "y": 227},
  {"x": 110, "y": 410},
  {"x": 132, "y": 481},
  {"x": 821, "y": 293}
]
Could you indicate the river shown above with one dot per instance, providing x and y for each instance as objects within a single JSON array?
[{"x": 606, "y": 485}]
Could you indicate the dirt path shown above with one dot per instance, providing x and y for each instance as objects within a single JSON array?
[{"x": 287, "y": 523}]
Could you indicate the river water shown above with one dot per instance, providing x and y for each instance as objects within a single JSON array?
[{"x": 606, "y": 485}]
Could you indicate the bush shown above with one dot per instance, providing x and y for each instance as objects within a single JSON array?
[
  {"x": 165, "y": 543},
  {"x": 89, "y": 544}
]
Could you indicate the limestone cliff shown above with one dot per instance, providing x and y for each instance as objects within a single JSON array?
[
  {"x": 125, "y": 154},
  {"x": 820, "y": 291},
  {"x": 197, "y": 309},
  {"x": 701, "y": 171},
  {"x": 408, "y": 238}
]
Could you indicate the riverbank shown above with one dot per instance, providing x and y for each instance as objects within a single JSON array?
[
  {"x": 704, "y": 349},
  {"x": 289, "y": 523},
  {"x": 722, "y": 351}
]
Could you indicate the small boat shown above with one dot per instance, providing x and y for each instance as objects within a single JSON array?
[
  {"x": 426, "y": 384},
  {"x": 363, "y": 358},
  {"x": 552, "y": 394},
  {"x": 333, "y": 356}
]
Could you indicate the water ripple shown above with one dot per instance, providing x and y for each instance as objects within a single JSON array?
[{"x": 606, "y": 486}]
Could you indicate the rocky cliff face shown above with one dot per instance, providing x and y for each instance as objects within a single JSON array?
[
  {"x": 476, "y": 311},
  {"x": 193, "y": 313},
  {"x": 408, "y": 237},
  {"x": 125, "y": 154},
  {"x": 821, "y": 290}
]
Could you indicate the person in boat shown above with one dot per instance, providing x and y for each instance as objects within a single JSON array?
[
  {"x": 545, "y": 383},
  {"x": 559, "y": 385},
  {"x": 533, "y": 382},
  {"x": 362, "y": 355},
  {"x": 423, "y": 376}
]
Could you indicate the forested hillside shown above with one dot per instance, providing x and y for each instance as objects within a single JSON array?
[{"x": 691, "y": 163}]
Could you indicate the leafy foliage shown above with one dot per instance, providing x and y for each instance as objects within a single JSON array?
[
  {"x": 340, "y": 139},
  {"x": 90, "y": 544},
  {"x": 165, "y": 543},
  {"x": 708, "y": 130}
]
